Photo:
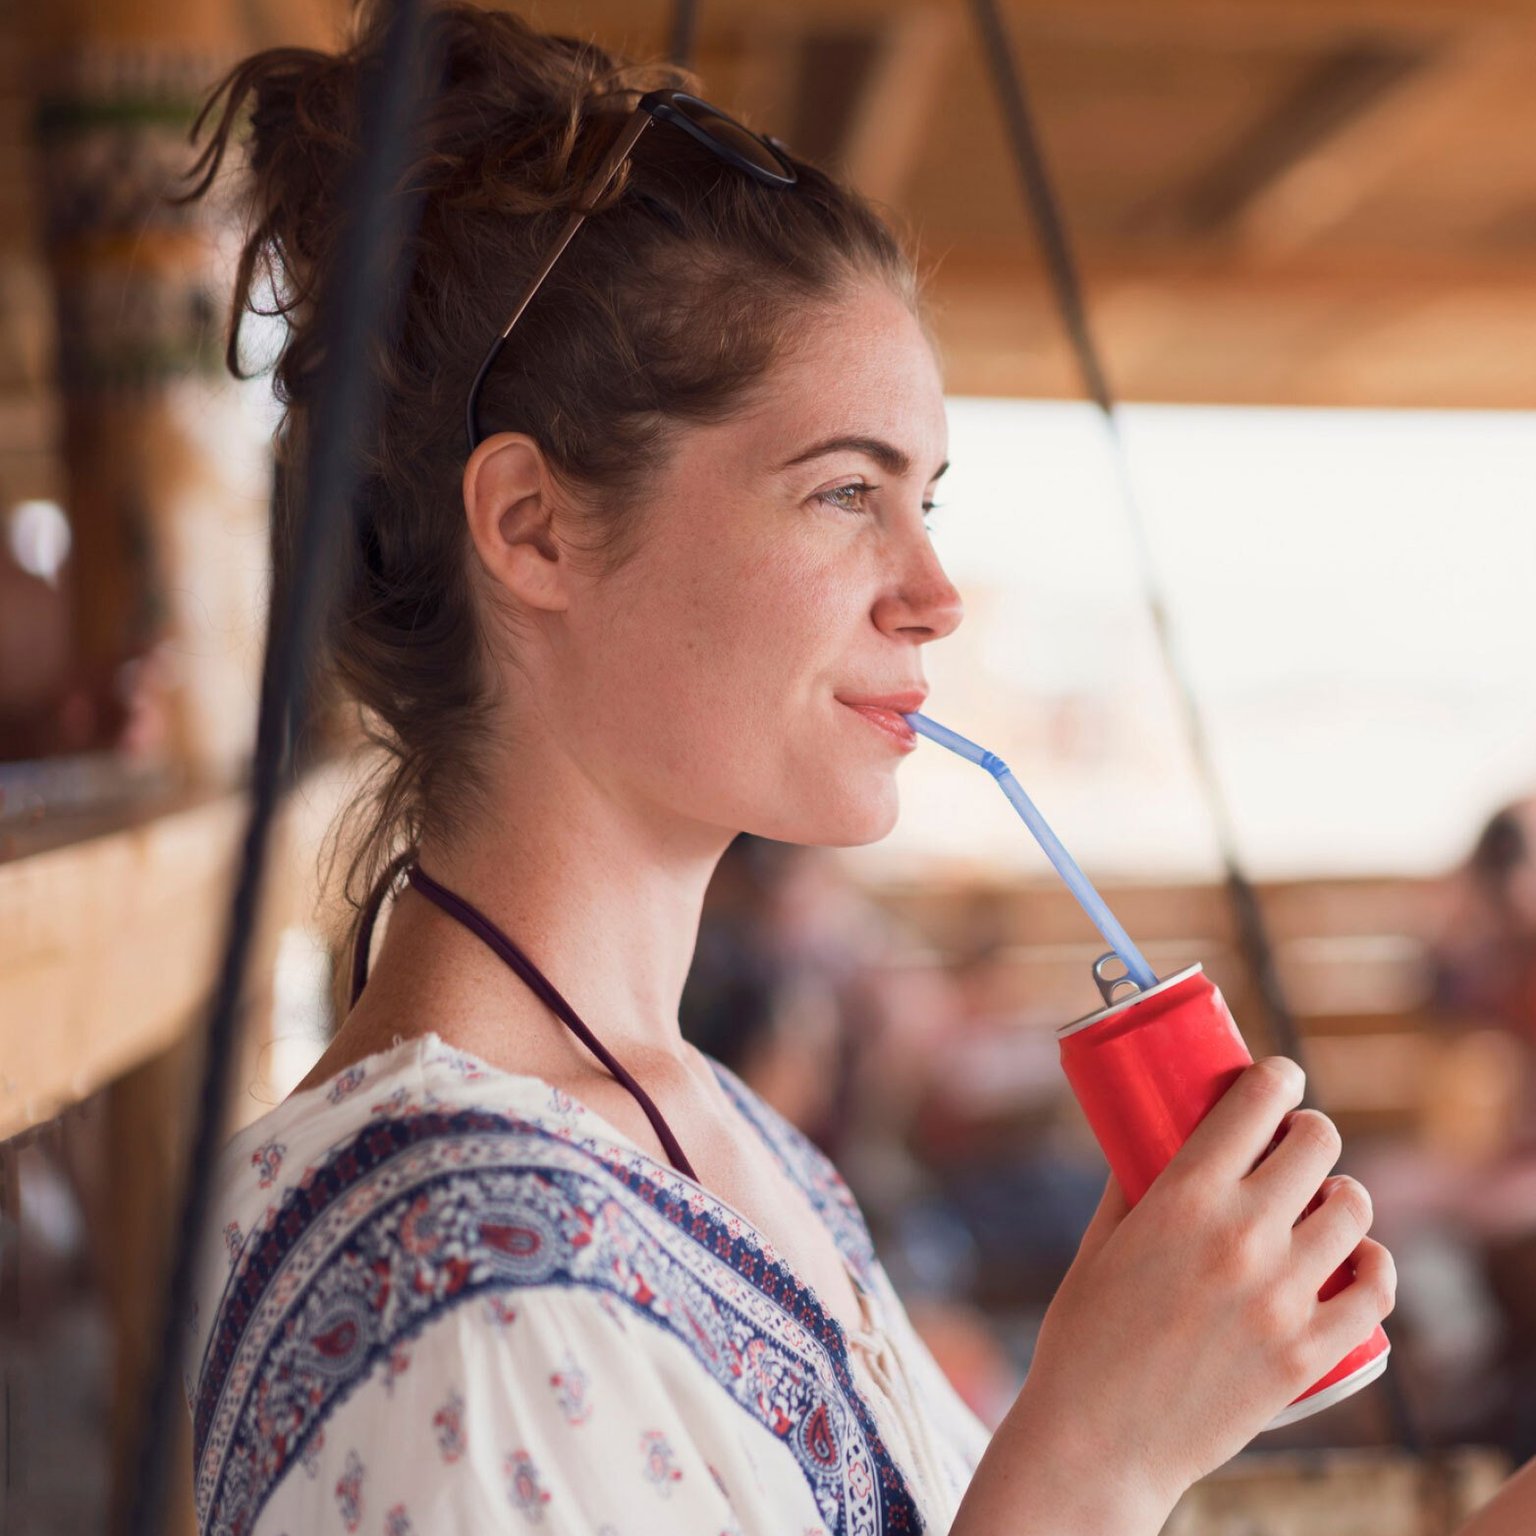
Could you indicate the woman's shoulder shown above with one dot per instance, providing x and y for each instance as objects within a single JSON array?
[
  {"x": 396, "y": 1118},
  {"x": 412, "y": 1359},
  {"x": 276, "y": 1152},
  {"x": 419, "y": 1079}
]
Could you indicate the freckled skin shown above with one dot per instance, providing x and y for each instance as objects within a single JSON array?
[{"x": 704, "y": 672}]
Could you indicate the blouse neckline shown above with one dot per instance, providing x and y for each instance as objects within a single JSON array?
[{"x": 870, "y": 1339}]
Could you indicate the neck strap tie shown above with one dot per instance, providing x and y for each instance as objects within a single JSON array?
[{"x": 489, "y": 934}]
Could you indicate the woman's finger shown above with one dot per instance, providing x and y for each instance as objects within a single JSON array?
[
  {"x": 1346, "y": 1321},
  {"x": 1326, "y": 1237},
  {"x": 1242, "y": 1123},
  {"x": 1286, "y": 1180}
]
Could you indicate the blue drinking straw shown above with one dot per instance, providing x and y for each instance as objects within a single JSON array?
[{"x": 1077, "y": 882}]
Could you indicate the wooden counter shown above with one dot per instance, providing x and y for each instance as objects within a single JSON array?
[{"x": 107, "y": 948}]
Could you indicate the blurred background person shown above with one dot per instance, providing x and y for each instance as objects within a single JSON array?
[{"x": 1484, "y": 989}]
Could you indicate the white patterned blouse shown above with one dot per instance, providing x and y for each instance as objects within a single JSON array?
[{"x": 448, "y": 1298}]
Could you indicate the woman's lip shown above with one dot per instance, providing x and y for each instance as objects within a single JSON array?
[{"x": 887, "y": 720}]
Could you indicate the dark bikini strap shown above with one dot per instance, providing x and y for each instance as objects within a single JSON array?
[{"x": 492, "y": 936}]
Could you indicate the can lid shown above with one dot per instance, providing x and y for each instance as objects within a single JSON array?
[{"x": 1138, "y": 996}]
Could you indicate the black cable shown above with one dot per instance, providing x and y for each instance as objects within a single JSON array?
[
  {"x": 1044, "y": 206},
  {"x": 361, "y": 311}
]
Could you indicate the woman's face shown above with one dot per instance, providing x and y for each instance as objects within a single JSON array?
[{"x": 776, "y": 578}]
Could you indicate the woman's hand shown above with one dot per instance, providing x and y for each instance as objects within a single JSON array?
[{"x": 1185, "y": 1325}]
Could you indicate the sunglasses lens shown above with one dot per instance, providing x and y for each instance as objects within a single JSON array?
[{"x": 740, "y": 141}]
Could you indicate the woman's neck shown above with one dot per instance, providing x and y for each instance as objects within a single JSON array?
[{"x": 604, "y": 900}]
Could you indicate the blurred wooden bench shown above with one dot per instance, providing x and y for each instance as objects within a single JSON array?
[
  {"x": 111, "y": 927},
  {"x": 1353, "y": 958},
  {"x": 1367, "y": 1492}
]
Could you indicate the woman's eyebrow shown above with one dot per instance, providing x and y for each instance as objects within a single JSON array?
[{"x": 889, "y": 457}]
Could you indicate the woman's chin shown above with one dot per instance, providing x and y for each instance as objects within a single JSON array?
[{"x": 849, "y": 824}]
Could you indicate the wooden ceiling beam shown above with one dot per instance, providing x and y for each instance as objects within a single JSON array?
[
  {"x": 1201, "y": 24},
  {"x": 1323, "y": 186},
  {"x": 1339, "y": 89},
  {"x": 834, "y": 65},
  {"x": 1423, "y": 274},
  {"x": 1382, "y": 333},
  {"x": 902, "y": 88},
  {"x": 1291, "y": 25}
]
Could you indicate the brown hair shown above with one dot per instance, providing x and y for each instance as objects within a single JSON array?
[{"x": 672, "y": 303}]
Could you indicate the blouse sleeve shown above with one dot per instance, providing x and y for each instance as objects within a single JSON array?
[{"x": 554, "y": 1408}]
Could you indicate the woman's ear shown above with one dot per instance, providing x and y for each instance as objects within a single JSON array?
[{"x": 509, "y": 501}]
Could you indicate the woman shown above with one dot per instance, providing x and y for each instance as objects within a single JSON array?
[{"x": 677, "y": 586}]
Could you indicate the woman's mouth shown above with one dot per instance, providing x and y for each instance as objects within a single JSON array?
[{"x": 889, "y": 721}]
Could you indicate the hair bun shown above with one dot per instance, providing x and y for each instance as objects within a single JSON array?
[{"x": 521, "y": 153}]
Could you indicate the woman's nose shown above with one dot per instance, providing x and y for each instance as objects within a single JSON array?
[{"x": 922, "y": 603}]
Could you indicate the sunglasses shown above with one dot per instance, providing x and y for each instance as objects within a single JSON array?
[{"x": 764, "y": 158}]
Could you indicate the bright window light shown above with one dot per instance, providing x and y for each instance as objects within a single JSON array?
[{"x": 1352, "y": 594}]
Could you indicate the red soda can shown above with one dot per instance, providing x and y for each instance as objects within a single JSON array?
[{"x": 1146, "y": 1070}]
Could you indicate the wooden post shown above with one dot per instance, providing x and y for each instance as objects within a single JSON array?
[
  {"x": 133, "y": 316},
  {"x": 165, "y": 463}
]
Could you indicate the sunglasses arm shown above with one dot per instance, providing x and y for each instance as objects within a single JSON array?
[{"x": 639, "y": 121}]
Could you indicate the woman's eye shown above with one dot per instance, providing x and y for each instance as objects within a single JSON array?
[{"x": 856, "y": 494}]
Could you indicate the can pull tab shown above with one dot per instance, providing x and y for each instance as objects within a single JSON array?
[{"x": 1108, "y": 985}]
